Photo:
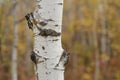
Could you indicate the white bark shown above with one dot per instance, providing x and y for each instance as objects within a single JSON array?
[
  {"x": 14, "y": 51},
  {"x": 47, "y": 24}
]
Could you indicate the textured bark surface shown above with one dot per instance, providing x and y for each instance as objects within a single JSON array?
[{"x": 48, "y": 55}]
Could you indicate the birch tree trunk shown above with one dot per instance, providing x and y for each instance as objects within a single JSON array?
[
  {"x": 15, "y": 41},
  {"x": 48, "y": 55}
]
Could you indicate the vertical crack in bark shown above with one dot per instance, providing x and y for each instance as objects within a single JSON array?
[{"x": 37, "y": 76}]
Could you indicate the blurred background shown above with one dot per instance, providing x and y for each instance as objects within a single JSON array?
[{"x": 91, "y": 33}]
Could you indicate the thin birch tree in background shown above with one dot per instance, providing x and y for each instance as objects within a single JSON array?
[
  {"x": 103, "y": 25},
  {"x": 97, "y": 69},
  {"x": 15, "y": 41},
  {"x": 48, "y": 54},
  {"x": 101, "y": 9}
]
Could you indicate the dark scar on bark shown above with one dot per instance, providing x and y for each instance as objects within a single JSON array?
[
  {"x": 39, "y": 0},
  {"x": 49, "y": 20},
  {"x": 47, "y": 73},
  {"x": 43, "y": 23},
  {"x": 29, "y": 22},
  {"x": 55, "y": 40},
  {"x": 37, "y": 51},
  {"x": 56, "y": 25},
  {"x": 60, "y": 3},
  {"x": 37, "y": 76},
  {"x": 43, "y": 47},
  {"x": 49, "y": 32},
  {"x": 39, "y": 6},
  {"x": 64, "y": 58}
]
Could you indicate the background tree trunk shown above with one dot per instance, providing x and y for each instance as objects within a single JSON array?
[
  {"x": 103, "y": 25},
  {"x": 14, "y": 51},
  {"x": 97, "y": 69},
  {"x": 48, "y": 55},
  {"x": 101, "y": 8}
]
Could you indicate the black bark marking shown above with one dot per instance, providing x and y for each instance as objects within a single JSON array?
[
  {"x": 43, "y": 47},
  {"x": 29, "y": 22},
  {"x": 33, "y": 57},
  {"x": 43, "y": 23},
  {"x": 63, "y": 59},
  {"x": 37, "y": 51},
  {"x": 47, "y": 73},
  {"x": 41, "y": 61},
  {"x": 55, "y": 40},
  {"x": 39, "y": 0},
  {"x": 60, "y": 3},
  {"x": 56, "y": 25},
  {"x": 49, "y": 32},
  {"x": 49, "y": 40},
  {"x": 39, "y": 6},
  {"x": 36, "y": 11},
  {"x": 27, "y": 17},
  {"x": 37, "y": 76},
  {"x": 32, "y": 15},
  {"x": 49, "y": 20}
]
